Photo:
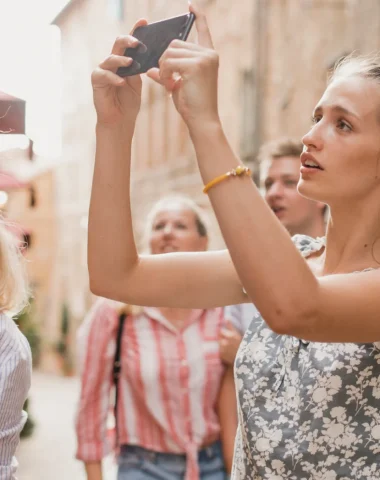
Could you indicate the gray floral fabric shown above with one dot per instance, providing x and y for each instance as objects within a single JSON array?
[{"x": 307, "y": 410}]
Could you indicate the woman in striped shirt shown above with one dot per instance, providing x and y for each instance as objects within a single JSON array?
[
  {"x": 15, "y": 355},
  {"x": 171, "y": 374}
]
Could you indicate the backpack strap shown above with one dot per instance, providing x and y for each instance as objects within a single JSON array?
[{"x": 117, "y": 366}]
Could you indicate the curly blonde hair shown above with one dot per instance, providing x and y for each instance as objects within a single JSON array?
[{"x": 14, "y": 291}]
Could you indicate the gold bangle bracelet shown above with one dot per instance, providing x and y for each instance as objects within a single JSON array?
[{"x": 235, "y": 172}]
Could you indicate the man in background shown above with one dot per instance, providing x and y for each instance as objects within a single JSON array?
[{"x": 279, "y": 163}]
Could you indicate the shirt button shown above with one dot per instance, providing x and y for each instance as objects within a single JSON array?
[{"x": 184, "y": 363}]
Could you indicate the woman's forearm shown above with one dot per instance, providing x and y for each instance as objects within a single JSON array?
[
  {"x": 94, "y": 470},
  {"x": 111, "y": 247},
  {"x": 260, "y": 247},
  {"x": 227, "y": 412}
]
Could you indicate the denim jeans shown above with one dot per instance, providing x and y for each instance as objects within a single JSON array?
[{"x": 136, "y": 463}]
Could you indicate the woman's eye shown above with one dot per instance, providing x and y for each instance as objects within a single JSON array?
[
  {"x": 315, "y": 119},
  {"x": 159, "y": 226},
  {"x": 181, "y": 226},
  {"x": 342, "y": 125}
]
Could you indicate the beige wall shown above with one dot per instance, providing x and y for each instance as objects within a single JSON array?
[
  {"x": 40, "y": 221},
  {"x": 303, "y": 39}
]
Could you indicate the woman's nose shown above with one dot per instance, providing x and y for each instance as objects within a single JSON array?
[
  {"x": 168, "y": 230},
  {"x": 313, "y": 138}
]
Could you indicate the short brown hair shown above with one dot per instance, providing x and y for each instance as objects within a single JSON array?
[{"x": 282, "y": 147}]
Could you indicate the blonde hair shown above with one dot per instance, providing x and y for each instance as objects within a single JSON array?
[
  {"x": 201, "y": 219},
  {"x": 366, "y": 66},
  {"x": 13, "y": 285}
]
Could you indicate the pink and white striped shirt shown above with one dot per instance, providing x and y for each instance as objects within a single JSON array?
[{"x": 169, "y": 384}]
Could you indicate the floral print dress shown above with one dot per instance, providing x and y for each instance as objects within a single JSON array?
[{"x": 307, "y": 410}]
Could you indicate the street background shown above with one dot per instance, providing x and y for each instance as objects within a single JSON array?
[{"x": 49, "y": 452}]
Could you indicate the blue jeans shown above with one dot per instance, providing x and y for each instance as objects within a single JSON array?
[{"x": 136, "y": 463}]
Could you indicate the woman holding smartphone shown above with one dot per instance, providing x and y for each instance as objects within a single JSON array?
[{"x": 307, "y": 377}]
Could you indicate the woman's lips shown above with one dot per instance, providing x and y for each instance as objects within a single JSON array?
[
  {"x": 168, "y": 248},
  {"x": 308, "y": 161},
  {"x": 278, "y": 211},
  {"x": 309, "y": 171}
]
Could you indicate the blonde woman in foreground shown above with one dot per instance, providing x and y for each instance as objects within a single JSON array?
[
  {"x": 308, "y": 377},
  {"x": 15, "y": 355}
]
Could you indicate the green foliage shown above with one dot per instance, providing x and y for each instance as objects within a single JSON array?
[
  {"x": 29, "y": 327},
  {"x": 29, "y": 425},
  {"x": 62, "y": 345},
  {"x": 65, "y": 322},
  {"x": 26, "y": 321}
]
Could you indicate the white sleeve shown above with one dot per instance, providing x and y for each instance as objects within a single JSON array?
[
  {"x": 15, "y": 376},
  {"x": 240, "y": 316}
]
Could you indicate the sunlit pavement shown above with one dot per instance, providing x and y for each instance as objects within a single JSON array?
[{"x": 49, "y": 453}]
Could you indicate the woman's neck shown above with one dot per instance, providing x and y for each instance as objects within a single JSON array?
[
  {"x": 353, "y": 238},
  {"x": 176, "y": 316},
  {"x": 315, "y": 228}
]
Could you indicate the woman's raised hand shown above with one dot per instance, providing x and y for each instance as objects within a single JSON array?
[
  {"x": 117, "y": 100},
  {"x": 190, "y": 73}
]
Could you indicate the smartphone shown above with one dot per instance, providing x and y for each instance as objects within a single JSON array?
[{"x": 155, "y": 39}]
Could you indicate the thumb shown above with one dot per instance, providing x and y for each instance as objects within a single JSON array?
[
  {"x": 204, "y": 35},
  {"x": 169, "y": 83},
  {"x": 226, "y": 332},
  {"x": 228, "y": 325}
]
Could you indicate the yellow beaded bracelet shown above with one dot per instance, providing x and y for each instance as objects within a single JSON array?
[{"x": 235, "y": 172}]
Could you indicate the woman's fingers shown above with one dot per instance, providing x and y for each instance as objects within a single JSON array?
[
  {"x": 180, "y": 61},
  {"x": 204, "y": 35},
  {"x": 178, "y": 53},
  {"x": 122, "y": 42},
  {"x": 113, "y": 62},
  {"x": 154, "y": 74},
  {"x": 117, "y": 58},
  {"x": 102, "y": 78},
  {"x": 169, "y": 83},
  {"x": 181, "y": 57},
  {"x": 139, "y": 23},
  {"x": 173, "y": 68},
  {"x": 177, "y": 62},
  {"x": 128, "y": 41},
  {"x": 186, "y": 45}
]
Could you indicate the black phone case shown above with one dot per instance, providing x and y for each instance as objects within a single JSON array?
[{"x": 155, "y": 37}]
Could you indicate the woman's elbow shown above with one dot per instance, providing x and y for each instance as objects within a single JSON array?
[
  {"x": 100, "y": 285},
  {"x": 295, "y": 320},
  {"x": 96, "y": 287},
  {"x": 102, "y": 288}
]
